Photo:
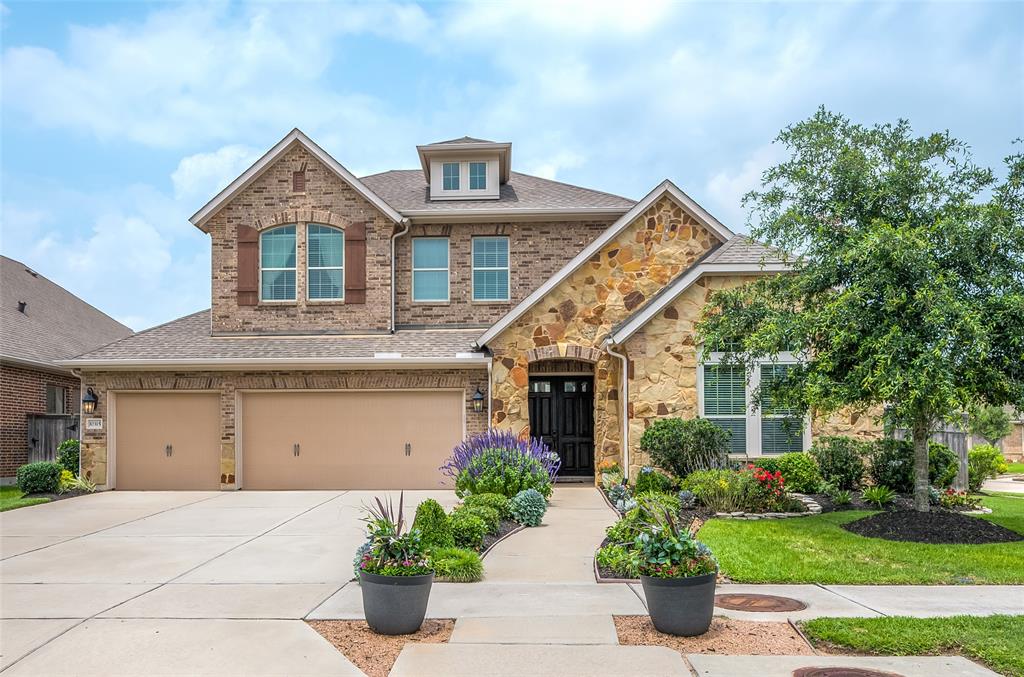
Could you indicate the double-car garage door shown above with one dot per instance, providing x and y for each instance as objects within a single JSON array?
[{"x": 289, "y": 440}]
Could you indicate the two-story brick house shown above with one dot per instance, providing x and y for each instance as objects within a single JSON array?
[{"x": 360, "y": 328}]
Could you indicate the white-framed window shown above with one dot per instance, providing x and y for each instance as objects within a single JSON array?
[
  {"x": 490, "y": 268},
  {"x": 277, "y": 264},
  {"x": 725, "y": 395},
  {"x": 450, "y": 176},
  {"x": 430, "y": 269},
  {"x": 478, "y": 176},
  {"x": 325, "y": 263}
]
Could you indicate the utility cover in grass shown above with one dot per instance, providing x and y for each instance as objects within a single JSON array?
[{"x": 932, "y": 527}]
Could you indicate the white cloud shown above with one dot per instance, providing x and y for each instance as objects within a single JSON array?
[
  {"x": 727, "y": 187},
  {"x": 206, "y": 174}
]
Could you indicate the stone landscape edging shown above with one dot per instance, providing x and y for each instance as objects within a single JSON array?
[{"x": 813, "y": 508}]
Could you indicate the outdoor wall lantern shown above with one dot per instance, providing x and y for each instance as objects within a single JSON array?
[
  {"x": 478, "y": 401},
  {"x": 89, "y": 401}
]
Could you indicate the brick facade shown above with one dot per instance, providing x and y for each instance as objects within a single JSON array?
[
  {"x": 537, "y": 250},
  {"x": 269, "y": 201},
  {"x": 227, "y": 383},
  {"x": 23, "y": 392}
]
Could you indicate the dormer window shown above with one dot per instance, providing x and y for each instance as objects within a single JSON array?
[
  {"x": 466, "y": 168},
  {"x": 451, "y": 175},
  {"x": 478, "y": 176}
]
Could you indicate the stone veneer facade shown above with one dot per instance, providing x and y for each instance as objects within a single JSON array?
[
  {"x": 227, "y": 383},
  {"x": 573, "y": 319},
  {"x": 269, "y": 201}
]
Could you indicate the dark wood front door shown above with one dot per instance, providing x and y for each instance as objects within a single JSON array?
[{"x": 562, "y": 414}]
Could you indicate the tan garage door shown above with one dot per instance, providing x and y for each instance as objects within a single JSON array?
[
  {"x": 167, "y": 441},
  {"x": 348, "y": 440}
]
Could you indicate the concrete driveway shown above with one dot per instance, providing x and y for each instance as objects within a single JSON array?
[{"x": 175, "y": 583}]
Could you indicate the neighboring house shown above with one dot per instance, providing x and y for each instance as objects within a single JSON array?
[
  {"x": 42, "y": 324},
  {"x": 361, "y": 327}
]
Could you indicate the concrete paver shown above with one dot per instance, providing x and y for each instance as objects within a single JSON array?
[
  {"x": 472, "y": 660},
  {"x": 64, "y": 600},
  {"x": 819, "y": 601},
  {"x": 109, "y": 559},
  {"x": 459, "y": 600},
  {"x": 783, "y": 666},
  {"x": 539, "y": 630},
  {"x": 225, "y": 601},
  {"x": 112, "y": 647},
  {"x": 936, "y": 600},
  {"x": 20, "y": 636}
]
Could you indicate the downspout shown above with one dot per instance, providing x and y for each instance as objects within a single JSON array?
[
  {"x": 81, "y": 416},
  {"x": 394, "y": 295},
  {"x": 624, "y": 436},
  {"x": 490, "y": 365}
]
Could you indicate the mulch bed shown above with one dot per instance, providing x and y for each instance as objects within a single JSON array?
[
  {"x": 727, "y": 636},
  {"x": 57, "y": 497},
  {"x": 506, "y": 527},
  {"x": 932, "y": 527},
  {"x": 375, "y": 654}
]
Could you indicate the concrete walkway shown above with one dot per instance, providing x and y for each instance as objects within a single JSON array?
[{"x": 1010, "y": 484}]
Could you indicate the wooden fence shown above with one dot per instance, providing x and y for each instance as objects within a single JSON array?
[{"x": 46, "y": 432}]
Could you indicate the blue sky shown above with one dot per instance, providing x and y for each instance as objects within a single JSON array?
[{"x": 119, "y": 120}]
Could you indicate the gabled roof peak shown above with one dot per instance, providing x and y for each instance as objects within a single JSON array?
[{"x": 463, "y": 139}]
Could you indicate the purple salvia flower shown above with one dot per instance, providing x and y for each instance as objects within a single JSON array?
[{"x": 512, "y": 452}]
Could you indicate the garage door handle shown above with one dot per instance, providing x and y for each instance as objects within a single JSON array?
[
  {"x": 168, "y": 450},
  {"x": 408, "y": 449},
  {"x": 295, "y": 450}
]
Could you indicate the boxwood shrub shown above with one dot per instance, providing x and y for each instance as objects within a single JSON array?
[
  {"x": 841, "y": 460},
  {"x": 651, "y": 480},
  {"x": 800, "y": 471},
  {"x": 42, "y": 477},
  {"x": 431, "y": 520},
  {"x": 67, "y": 456},
  {"x": 496, "y": 501},
  {"x": 467, "y": 529}
]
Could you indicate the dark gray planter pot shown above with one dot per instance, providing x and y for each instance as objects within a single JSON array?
[
  {"x": 395, "y": 605},
  {"x": 681, "y": 606}
]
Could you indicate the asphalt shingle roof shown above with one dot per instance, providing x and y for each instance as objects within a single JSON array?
[
  {"x": 188, "y": 338},
  {"x": 56, "y": 324},
  {"x": 407, "y": 190},
  {"x": 742, "y": 249}
]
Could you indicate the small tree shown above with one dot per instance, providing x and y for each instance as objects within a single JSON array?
[
  {"x": 990, "y": 423},
  {"x": 907, "y": 287}
]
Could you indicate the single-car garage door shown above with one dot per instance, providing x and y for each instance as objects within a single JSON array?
[
  {"x": 348, "y": 440},
  {"x": 167, "y": 441}
]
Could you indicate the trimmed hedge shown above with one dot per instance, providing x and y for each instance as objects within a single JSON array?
[
  {"x": 468, "y": 529},
  {"x": 42, "y": 477},
  {"x": 431, "y": 520}
]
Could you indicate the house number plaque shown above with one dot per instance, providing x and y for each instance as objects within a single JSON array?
[{"x": 94, "y": 424}]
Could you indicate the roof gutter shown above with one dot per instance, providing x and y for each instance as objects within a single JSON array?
[
  {"x": 227, "y": 364},
  {"x": 36, "y": 364},
  {"x": 472, "y": 215}
]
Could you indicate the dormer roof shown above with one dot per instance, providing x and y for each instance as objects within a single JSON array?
[{"x": 466, "y": 147}]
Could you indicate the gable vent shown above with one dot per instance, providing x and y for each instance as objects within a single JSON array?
[
  {"x": 299, "y": 180},
  {"x": 22, "y": 306}
]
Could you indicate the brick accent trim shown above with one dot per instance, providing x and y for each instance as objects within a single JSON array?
[
  {"x": 290, "y": 216},
  {"x": 570, "y": 351}
]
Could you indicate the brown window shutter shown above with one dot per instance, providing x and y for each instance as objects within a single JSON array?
[
  {"x": 355, "y": 263},
  {"x": 248, "y": 266}
]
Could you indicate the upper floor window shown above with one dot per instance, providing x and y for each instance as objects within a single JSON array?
[
  {"x": 325, "y": 267},
  {"x": 430, "y": 269},
  {"x": 490, "y": 269},
  {"x": 277, "y": 264},
  {"x": 450, "y": 175},
  {"x": 478, "y": 176},
  {"x": 56, "y": 399}
]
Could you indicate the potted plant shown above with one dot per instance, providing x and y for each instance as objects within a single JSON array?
[
  {"x": 395, "y": 573},
  {"x": 678, "y": 573}
]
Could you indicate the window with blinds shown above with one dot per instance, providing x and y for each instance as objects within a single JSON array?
[
  {"x": 490, "y": 269},
  {"x": 725, "y": 402},
  {"x": 780, "y": 428}
]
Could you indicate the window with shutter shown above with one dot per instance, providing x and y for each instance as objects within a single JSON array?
[
  {"x": 725, "y": 402},
  {"x": 780, "y": 428}
]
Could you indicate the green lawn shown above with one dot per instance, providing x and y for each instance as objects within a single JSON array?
[
  {"x": 1016, "y": 468},
  {"x": 816, "y": 550},
  {"x": 10, "y": 498},
  {"x": 995, "y": 640}
]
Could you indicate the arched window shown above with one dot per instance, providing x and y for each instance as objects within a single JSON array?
[
  {"x": 325, "y": 263},
  {"x": 277, "y": 264}
]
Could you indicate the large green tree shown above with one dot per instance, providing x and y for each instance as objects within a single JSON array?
[{"x": 907, "y": 289}]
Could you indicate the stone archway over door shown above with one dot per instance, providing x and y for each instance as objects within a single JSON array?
[{"x": 561, "y": 409}]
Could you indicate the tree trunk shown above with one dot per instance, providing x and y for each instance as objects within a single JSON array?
[{"x": 920, "y": 434}]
